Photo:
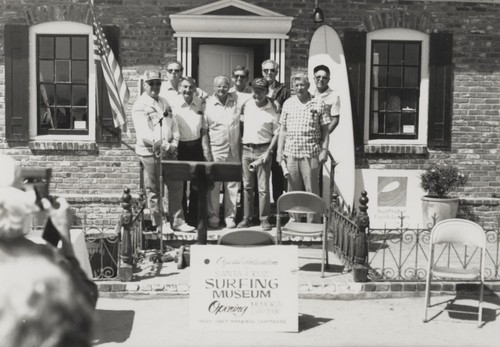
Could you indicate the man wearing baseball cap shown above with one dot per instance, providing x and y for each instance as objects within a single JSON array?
[
  {"x": 157, "y": 134},
  {"x": 325, "y": 93},
  {"x": 260, "y": 134}
]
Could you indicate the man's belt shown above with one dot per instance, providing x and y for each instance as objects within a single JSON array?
[
  {"x": 257, "y": 145},
  {"x": 190, "y": 143}
]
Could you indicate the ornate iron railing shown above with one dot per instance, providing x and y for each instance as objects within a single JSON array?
[{"x": 402, "y": 254}]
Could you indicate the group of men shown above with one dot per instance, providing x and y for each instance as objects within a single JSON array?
[{"x": 260, "y": 125}]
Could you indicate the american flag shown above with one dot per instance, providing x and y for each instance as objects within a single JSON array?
[{"x": 117, "y": 88}]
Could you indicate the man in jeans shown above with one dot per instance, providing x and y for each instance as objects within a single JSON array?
[
  {"x": 278, "y": 93},
  {"x": 260, "y": 135}
]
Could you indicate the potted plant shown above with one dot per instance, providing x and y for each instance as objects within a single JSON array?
[{"x": 438, "y": 180}]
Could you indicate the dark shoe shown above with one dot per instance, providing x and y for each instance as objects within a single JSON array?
[
  {"x": 245, "y": 223},
  {"x": 265, "y": 225}
]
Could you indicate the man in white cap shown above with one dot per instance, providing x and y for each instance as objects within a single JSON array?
[{"x": 157, "y": 136}]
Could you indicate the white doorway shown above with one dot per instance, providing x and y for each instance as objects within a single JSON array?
[{"x": 215, "y": 60}]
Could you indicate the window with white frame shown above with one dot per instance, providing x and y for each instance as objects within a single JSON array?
[
  {"x": 62, "y": 80},
  {"x": 397, "y": 87}
]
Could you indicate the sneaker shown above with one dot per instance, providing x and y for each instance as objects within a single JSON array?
[
  {"x": 245, "y": 223},
  {"x": 265, "y": 225},
  {"x": 166, "y": 229},
  {"x": 230, "y": 224},
  {"x": 185, "y": 228}
]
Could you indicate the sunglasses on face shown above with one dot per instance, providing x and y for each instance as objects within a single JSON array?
[
  {"x": 154, "y": 83},
  {"x": 173, "y": 70},
  {"x": 269, "y": 70},
  {"x": 319, "y": 78},
  {"x": 239, "y": 76}
]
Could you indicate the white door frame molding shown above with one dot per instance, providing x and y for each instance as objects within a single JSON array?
[{"x": 254, "y": 23}]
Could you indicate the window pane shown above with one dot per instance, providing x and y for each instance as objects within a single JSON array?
[
  {"x": 46, "y": 48},
  {"x": 62, "y": 119},
  {"x": 79, "y": 72},
  {"x": 380, "y": 123},
  {"x": 62, "y": 71},
  {"x": 79, "y": 119},
  {"x": 395, "y": 54},
  {"x": 378, "y": 100},
  {"x": 79, "y": 95},
  {"x": 412, "y": 54},
  {"x": 393, "y": 101},
  {"x": 79, "y": 48},
  {"x": 379, "y": 53},
  {"x": 392, "y": 123},
  {"x": 47, "y": 94},
  {"x": 62, "y": 48},
  {"x": 410, "y": 100},
  {"x": 46, "y": 71},
  {"x": 379, "y": 77},
  {"x": 394, "y": 77},
  {"x": 63, "y": 93},
  {"x": 411, "y": 77},
  {"x": 46, "y": 118}
]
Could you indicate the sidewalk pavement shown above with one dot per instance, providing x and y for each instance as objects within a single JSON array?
[{"x": 166, "y": 279}]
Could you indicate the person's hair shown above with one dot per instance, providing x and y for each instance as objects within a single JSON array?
[
  {"x": 40, "y": 305},
  {"x": 300, "y": 76},
  {"x": 241, "y": 68},
  {"x": 222, "y": 77},
  {"x": 322, "y": 68},
  {"x": 188, "y": 79},
  {"x": 270, "y": 61},
  {"x": 174, "y": 61}
]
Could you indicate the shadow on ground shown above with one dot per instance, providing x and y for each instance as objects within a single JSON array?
[
  {"x": 306, "y": 321},
  {"x": 112, "y": 326}
]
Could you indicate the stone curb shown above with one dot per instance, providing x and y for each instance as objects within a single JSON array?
[{"x": 349, "y": 291}]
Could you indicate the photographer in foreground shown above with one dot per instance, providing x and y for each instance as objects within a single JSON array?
[{"x": 49, "y": 267}]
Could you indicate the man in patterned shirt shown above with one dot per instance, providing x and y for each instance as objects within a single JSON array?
[{"x": 303, "y": 139}]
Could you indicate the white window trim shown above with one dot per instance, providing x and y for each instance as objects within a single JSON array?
[
  {"x": 70, "y": 28},
  {"x": 399, "y": 34}
]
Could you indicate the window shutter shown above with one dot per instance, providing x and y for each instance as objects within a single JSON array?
[
  {"x": 440, "y": 97},
  {"x": 355, "y": 56},
  {"x": 105, "y": 129},
  {"x": 16, "y": 82}
]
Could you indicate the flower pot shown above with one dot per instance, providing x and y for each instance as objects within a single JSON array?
[{"x": 438, "y": 209}]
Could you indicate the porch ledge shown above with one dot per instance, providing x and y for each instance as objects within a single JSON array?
[
  {"x": 59, "y": 145},
  {"x": 396, "y": 149}
]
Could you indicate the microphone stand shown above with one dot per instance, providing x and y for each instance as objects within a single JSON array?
[{"x": 159, "y": 180}]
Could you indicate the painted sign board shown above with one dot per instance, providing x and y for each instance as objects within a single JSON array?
[
  {"x": 394, "y": 197},
  {"x": 243, "y": 289}
]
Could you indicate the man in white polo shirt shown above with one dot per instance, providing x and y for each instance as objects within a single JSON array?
[
  {"x": 188, "y": 111},
  {"x": 260, "y": 122}
]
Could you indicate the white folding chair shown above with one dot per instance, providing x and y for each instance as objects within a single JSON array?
[
  {"x": 456, "y": 232},
  {"x": 299, "y": 202}
]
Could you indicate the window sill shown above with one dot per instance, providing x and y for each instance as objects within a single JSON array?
[
  {"x": 60, "y": 145},
  {"x": 396, "y": 149}
]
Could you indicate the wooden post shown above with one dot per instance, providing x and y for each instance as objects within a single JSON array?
[
  {"x": 125, "y": 270},
  {"x": 360, "y": 266}
]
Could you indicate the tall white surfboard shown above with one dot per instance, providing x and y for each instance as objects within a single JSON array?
[{"x": 326, "y": 49}]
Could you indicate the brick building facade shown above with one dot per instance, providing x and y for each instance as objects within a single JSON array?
[{"x": 462, "y": 124}]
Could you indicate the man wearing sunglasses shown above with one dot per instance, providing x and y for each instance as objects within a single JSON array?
[
  {"x": 240, "y": 82},
  {"x": 170, "y": 89},
  {"x": 278, "y": 93},
  {"x": 157, "y": 134}
]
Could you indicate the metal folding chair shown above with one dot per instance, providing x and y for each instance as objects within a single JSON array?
[
  {"x": 299, "y": 203},
  {"x": 456, "y": 232}
]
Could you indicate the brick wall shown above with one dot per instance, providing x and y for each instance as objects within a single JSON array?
[{"x": 101, "y": 172}]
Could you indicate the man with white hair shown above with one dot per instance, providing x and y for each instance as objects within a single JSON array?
[
  {"x": 303, "y": 139},
  {"x": 221, "y": 143}
]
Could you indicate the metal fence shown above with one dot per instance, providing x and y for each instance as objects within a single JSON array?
[{"x": 401, "y": 254}]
